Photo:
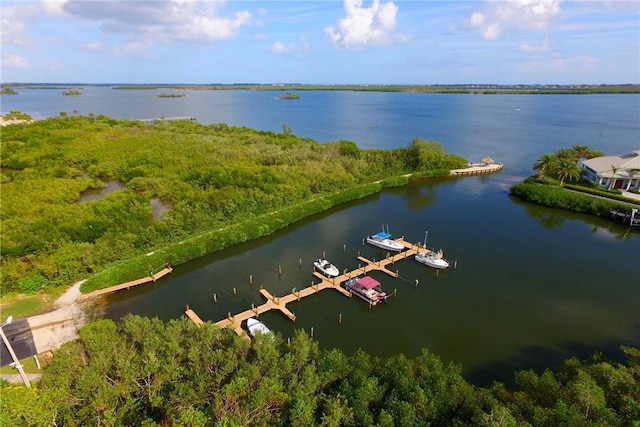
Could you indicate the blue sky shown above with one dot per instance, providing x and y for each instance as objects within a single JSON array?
[{"x": 322, "y": 42}]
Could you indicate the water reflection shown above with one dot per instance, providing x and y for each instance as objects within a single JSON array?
[
  {"x": 158, "y": 207},
  {"x": 111, "y": 186}
]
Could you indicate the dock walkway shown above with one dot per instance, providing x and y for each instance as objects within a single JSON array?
[
  {"x": 279, "y": 303},
  {"x": 477, "y": 169},
  {"x": 151, "y": 278}
]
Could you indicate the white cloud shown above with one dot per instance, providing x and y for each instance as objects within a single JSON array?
[
  {"x": 530, "y": 48},
  {"x": 17, "y": 18},
  {"x": 498, "y": 16},
  {"x": 297, "y": 49},
  {"x": 146, "y": 23},
  {"x": 14, "y": 61},
  {"x": 366, "y": 25},
  {"x": 93, "y": 46}
]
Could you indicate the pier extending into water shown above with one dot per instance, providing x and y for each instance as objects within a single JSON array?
[
  {"x": 477, "y": 169},
  {"x": 151, "y": 278},
  {"x": 279, "y": 303}
]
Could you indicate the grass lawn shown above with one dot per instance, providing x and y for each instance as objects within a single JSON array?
[
  {"x": 28, "y": 365},
  {"x": 21, "y": 306}
]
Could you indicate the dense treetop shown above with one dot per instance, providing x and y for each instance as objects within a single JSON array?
[{"x": 143, "y": 372}]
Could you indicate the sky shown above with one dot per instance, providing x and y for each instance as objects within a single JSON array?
[{"x": 321, "y": 42}]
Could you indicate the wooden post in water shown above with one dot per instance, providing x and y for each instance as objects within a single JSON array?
[
  {"x": 344, "y": 248},
  {"x": 215, "y": 298},
  {"x": 312, "y": 332},
  {"x": 455, "y": 265},
  {"x": 251, "y": 279},
  {"x": 300, "y": 263},
  {"x": 416, "y": 285},
  {"x": 395, "y": 292},
  {"x": 340, "y": 319},
  {"x": 234, "y": 292},
  {"x": 323, "y": 255},
  {"x": 279, "y": 269}
]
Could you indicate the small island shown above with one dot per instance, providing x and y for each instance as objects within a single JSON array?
[
  {"x": 289, "y": 95},
  {"x": 8, "y": 91},
  {"x": 72, "y": 92},
  {"x": 171, "y": 95}
]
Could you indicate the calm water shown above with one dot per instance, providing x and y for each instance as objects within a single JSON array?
[{"x": 533, "y": 285}]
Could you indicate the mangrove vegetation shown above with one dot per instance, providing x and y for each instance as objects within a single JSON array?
[
  {"x": 224, "y": 185},
  {"x": 143, "y": 372}
]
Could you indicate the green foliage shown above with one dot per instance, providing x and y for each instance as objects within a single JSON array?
[
  {"x": 32, "y": 283},
  {"x": 556, "y": 197},
  {"x": 215, "y": 177},
  {"x": 17, "y": 115},
  {"x": 145, "y": 372}
]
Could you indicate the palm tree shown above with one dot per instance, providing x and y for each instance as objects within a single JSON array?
[
  {"x": 612, "y": 180},
  {"x": 546, "y": 165},
  {"x": 584, "y": 152},
  {"x": 568, "y": 168}
]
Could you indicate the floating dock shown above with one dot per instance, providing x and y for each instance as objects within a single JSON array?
[{"x": 279, "y": 303}]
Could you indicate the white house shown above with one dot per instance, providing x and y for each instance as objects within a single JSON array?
[{"x": 621, "y": 172}]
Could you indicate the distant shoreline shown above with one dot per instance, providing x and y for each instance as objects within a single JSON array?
[{"x": 480, "y": 89}]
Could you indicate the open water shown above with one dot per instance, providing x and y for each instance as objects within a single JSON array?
[{"x": 532, "y": 285}]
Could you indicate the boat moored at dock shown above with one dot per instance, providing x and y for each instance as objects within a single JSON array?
[
  {"x": 384, "y": 241},
  {"x": 367, "y": 288},
  {"x": 255, "y": 326},
  {"x": 432, "y": 259},
  {"x": 326, "y": 268}
]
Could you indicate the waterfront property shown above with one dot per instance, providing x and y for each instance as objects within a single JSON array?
[{"x": 621, "y": 172}]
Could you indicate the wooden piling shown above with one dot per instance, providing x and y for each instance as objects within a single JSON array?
[
  {"x": 340, "y": 319},
  {"x": 215, "y": 298},
  {"x": 455, "y": 265},
  {"x": 251, "y": 279},
  {"x": 312, "y": 332},
  {"x": 234, "y": 292}
]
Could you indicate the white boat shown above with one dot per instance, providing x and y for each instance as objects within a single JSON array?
[
  {"x": 326, "y": 267},
  {"x": 384, "y": 241},
  {"x": 432, "y": 259},
  {"x": 255, "y": 326},
  {"x": 366, "y": 288}
]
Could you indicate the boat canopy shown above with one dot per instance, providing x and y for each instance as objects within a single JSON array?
[
  {"x": 383, "y": 235},
  {"x": 368, "y": 282}
]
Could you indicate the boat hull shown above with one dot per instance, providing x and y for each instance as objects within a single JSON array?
[
  {"x": 255, "y": 326},
  {"x": 432, "y": 260},
  {"x": 326, "y": 268},
  {"x": 373, "y": 296},
  {"x": 386, "y": 244}
]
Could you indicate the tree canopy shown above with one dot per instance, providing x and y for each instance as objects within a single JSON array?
[{"x": 144, "y": 372}]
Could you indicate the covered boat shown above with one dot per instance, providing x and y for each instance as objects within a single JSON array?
[
  {"x": 366, "y": 288},
  {"x": 432, "y": 259},
  {"x": 326, "y": 267},
  {"x": 255, "y": 326},
  {"x": 383, "y": 240}
]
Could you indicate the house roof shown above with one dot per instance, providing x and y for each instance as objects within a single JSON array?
[{"x": 626, "y": 165}]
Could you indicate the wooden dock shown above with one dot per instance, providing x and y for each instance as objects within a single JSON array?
[
  {"x": 279, "y": 303},
  {"x": 151, "y": 278},
  {"x": 477, "y": 169}
]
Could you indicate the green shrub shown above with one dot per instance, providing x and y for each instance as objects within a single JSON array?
[{"x": 32, "y": 283}]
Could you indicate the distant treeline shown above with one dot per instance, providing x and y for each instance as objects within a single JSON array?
[
  {"x": 466, "y": 88},
  {"x": 486, "y": 89}
]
